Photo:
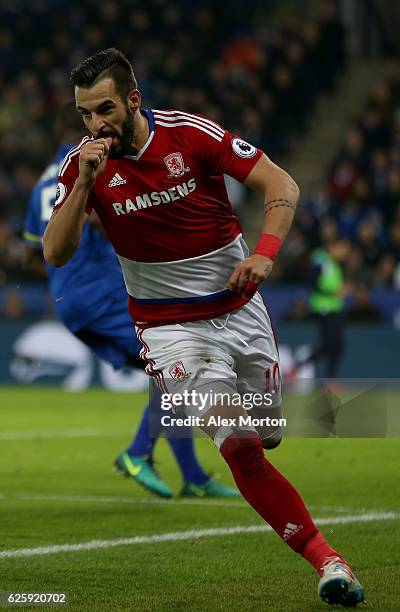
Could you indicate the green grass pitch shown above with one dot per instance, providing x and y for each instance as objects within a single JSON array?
[{"x": 57, "y": 487}]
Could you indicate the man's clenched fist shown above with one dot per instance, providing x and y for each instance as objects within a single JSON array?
[{"x": 93, "y": 158}]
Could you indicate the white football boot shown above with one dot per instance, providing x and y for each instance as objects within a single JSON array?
[{"x": 338, "y": 584}]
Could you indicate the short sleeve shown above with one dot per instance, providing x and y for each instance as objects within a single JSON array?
[
  {"x": 225, "y": 152},
  {"x": 68, "y": 173}
]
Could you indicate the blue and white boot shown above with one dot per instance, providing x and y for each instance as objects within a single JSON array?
[{"x": 339, "y": 586}]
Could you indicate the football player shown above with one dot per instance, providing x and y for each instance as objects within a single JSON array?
[
  {"x": 155, "y": 179},
  {"x": 89, "y": 297}
]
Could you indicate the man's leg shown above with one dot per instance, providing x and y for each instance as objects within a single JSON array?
[
  {"x": 137, "y": 461},
  {"x": 207, "y": 365},
  {"x": 320, "y": 349},
  {"x": 262, "y": 485},
  {"x": 197, "y": 483},
  {"x": 150, "y": 429},
  {"x": 112, "y": 339},
  {"x": 279, "y": 504},
  {"x": 266, "y": 489},
  {"x": 334, "y": 342}
]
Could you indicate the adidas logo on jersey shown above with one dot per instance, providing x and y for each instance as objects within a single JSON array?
[
  {"x": 290, "y": 530},
  {"x": 116, "y": 180}
]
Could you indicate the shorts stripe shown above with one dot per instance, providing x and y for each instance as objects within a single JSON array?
[{"x": 150, "y": 368}]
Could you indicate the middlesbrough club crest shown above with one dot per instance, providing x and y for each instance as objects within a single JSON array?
[
  {"x": 175, "y": 165},
  {"x": 177, "y": 371}
]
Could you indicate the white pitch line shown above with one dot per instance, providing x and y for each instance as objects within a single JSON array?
[
  {"x": 170, "y": 502},
  {"x": 132, "y": 500},
  {"x": 185, "y": 535},
  {"x": 342, "y": 509},
  {"x": 82, "y": 432},
  {"x": 179, "y": 502}
]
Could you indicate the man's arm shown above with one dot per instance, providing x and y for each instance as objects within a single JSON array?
[
  {"x": 281, "y": 195},
  {"x": 63, "y": 233}
]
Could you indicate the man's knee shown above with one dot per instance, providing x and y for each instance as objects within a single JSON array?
[
  {"x": 271, "y": 433},
  {"x": 272, "y": 440},
  {"x": 244, "y": 454}
]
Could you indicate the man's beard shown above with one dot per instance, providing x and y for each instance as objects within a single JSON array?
[{"x": 124, "y": 140}]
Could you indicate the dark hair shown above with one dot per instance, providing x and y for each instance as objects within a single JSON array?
[{"x": 109, "y": 63}]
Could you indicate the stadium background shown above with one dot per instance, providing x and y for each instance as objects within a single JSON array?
[
  {"x": 316, "y": 87},
  {"x": 316, "y": 84}
]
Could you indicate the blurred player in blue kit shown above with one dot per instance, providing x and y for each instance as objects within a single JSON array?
[{"x": 90, "y": 298}]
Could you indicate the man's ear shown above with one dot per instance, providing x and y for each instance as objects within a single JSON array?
[{"x": 134, "y": 100}]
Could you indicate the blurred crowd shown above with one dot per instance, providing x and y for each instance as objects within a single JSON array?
[
  {"x": 359, "y": 202},
  {"x": 232, "y": 62}
]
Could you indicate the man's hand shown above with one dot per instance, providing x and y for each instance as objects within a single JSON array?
[
  {"x": 93, "y": 159},
  {"x": 255, "y": 269}
]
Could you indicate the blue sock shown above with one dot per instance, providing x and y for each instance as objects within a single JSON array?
[
  {"x": 142, "y": 444},
  {"x": 149, "y": 430},
  {"x": 183, "y": 449}
]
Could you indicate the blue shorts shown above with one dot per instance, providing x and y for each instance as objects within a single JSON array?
[{"x": 112, "y": 337}]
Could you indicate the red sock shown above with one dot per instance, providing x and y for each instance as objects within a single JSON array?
[
  {"x": 317, "y": 551},
  {"x": 274, "y": 498}
]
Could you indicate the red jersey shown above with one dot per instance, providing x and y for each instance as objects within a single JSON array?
[{"x": 168, "y": 216}]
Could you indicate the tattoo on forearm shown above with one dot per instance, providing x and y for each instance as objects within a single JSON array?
[{"x": 277, "y": 203}]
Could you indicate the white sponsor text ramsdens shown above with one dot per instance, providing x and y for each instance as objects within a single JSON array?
[{"x": 154, "y": 198}]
